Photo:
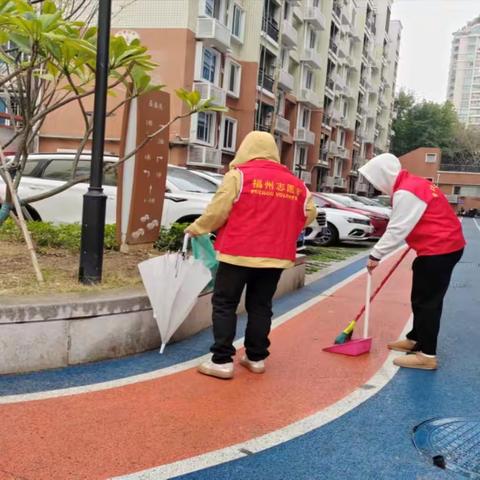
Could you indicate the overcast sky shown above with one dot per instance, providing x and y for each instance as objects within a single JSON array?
[{"x": 426, "y": 42}]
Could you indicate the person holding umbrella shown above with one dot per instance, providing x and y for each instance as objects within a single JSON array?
[
  {"x": 258, "y": 213},
  {"x": 421, "y": 216}
]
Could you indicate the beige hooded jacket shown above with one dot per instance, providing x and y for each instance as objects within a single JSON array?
[{"x": 255, "y": 145}]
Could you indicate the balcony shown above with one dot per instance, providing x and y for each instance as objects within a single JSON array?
[
  {"x": 343, "y": 152},
  {"x": 282, "y": 125},
  {"x": 333, "y": 46},
  {"x": 337, "y": 11},
  {"x": 339, "y": 182},
  {"x": 329, "y": 181},
  {"x": 333, "y": 148},
  {"x": 302, "y": 135},
  {"x": 200, "y": 156},
  {"x": 340, "y": 83},
  {"x": 309, "y": 97},
  {"x": 289, "y": 35},
  {"x": 311, "y": 57},
  {"x": 270, "y": 27},
  {"x": 209, "y": 91},
  {"x": 330, "y": 83},
  {"x": 265, "y": 81},
  {"x": 314, "y": 16},
  {"x": 306, "y": 177},
  {"x": 213, "y": 33},
  {"x": 285, "y": 80}
]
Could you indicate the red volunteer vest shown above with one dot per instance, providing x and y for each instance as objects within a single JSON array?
[
  {"x": 268, "y": 216},
  {"x": 439, "y": 231}
]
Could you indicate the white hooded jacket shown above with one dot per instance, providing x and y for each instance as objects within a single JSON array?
[{"x": 407, "y": 209}]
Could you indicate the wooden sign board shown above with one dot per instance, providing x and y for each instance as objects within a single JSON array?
[{"x": 141, "y": 185}]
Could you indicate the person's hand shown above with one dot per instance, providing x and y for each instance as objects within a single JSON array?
[
  {"x": 372, "y": 264},
  {"x": 189, "y": 231}
]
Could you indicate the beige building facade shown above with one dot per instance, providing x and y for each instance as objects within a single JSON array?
[{"x": 318, "y": 74}]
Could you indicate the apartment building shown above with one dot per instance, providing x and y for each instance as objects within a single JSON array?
[
  {"x": 464, "y": 76},
  {"x": 318, "y": 74}
]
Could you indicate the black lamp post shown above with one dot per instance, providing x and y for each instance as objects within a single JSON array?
[{"x": 94, "y": 201}]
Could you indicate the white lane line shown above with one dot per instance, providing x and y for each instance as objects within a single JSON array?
[
  {"x": 256, "y": 445},
  {"x": 476, "y": 224},
  {"x": 179, "y": 367}
]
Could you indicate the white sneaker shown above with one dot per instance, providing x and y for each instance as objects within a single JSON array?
[
  {"x": 254, "y": 367},
  {"x": 218, "y": 370}
]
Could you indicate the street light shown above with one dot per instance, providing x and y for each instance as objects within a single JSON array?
[{"x": 95, "y": 201}]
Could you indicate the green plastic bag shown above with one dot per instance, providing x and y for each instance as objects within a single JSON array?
[{"x": 202, "y": 249}]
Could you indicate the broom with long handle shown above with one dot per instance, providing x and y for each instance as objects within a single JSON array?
[{"x": 347, "y": 333}]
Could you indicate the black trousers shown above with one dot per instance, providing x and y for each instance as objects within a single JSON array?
[
  {"x": 230, "y": 281},
  {"x": 431, "y": 278}
]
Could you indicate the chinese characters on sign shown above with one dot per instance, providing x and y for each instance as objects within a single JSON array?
[
  {"x": 269, "y": 188},
  {"x": 142, "y": 178}
]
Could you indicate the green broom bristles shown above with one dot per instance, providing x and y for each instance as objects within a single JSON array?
[{"x": 346, "y": 335}]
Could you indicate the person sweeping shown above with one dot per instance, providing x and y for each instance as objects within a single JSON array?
[
  {"x": 421, "y": 216},
  {"x": 258, "y": 212}
]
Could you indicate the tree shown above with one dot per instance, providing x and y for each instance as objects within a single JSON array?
[
  {"x": 424, "y": 124},
  {"x": 47, "y": 61}
]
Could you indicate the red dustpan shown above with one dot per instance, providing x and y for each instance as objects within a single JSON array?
[{"x": 357, "y": 346}]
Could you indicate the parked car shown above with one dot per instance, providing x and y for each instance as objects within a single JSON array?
[
  {"x": 379, "y": 222},
  {"x": 212, "y": 176},
  {"x": 349, "y": 202},
  {"x": 341, "y": 226},
  {"x": 369, "y": 202},
  {"x": 384, "y": 200},
  {"x": 186, "y": 195}
]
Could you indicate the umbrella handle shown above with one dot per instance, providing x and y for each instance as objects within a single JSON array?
[{"x": 186, "y": 239}]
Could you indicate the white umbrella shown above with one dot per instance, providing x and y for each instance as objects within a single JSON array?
[{"x": 173, "y": 282}]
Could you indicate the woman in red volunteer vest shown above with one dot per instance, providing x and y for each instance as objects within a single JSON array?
[
  {"x": 421, "y": 216},
  {"x": 259, "y": 211}
]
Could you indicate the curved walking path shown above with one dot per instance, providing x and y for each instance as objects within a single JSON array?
[{"x": 312, "y": 415}]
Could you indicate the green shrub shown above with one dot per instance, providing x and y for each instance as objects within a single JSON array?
[
  {"x": 171, "y": 239},
  {"x": 49, "y": 235}
]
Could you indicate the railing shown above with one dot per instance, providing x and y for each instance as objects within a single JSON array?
[
  {"x": 209, "y": 91},
  {"x": 282, "y": 125},
  {"x": 270, "y": 27},
  {"x": 265, "y": 81},
  {"x": 452, "y": 167}
]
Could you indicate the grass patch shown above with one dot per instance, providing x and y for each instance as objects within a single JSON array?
[{"x": 319, "y": 258}]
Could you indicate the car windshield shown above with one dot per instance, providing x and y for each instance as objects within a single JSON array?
[
  {"x": 345, "y": 201},
  {"x": 320, "y": 202},
  {"x": 366, "y": 201},
  {"x": 190, "y": 182}
]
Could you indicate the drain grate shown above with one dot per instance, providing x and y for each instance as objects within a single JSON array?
[{"x": 452, "y": 443}]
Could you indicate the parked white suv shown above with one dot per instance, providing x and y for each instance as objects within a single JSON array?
[
  {"x": 341, "y": 226},
  {"x": 186, "y": 195}
]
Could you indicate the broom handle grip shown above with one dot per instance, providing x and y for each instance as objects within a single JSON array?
[
  {"x": 383, "y": 282},
  {"x": 367, "y": 304}
]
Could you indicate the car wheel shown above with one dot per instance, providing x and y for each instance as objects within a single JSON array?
[{"x": 328, "y": 237}]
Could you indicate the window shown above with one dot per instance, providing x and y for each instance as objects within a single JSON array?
[
  {"x": 305, "y": 115},
  {"x": 470, "y": 191},
  {"x": 238, "y": 22},
  {"x": 61, "y": 170},
  {"x": 205, "y": 127},
  {"x": 30, "y": 167},
  {"x": 431, "y": 158},
  {"x": 301, "y": 156},
  {"x": 210, "y": 65},
  {"x": 212, "y": 8},
  {"x": 456, "y": 190},
  {"x": 308, "y": 78},
  {"x": 311, "y": 39},
  {"x": 338, "y": 167},
  {"x": 229, "y": 134},
  {"x": 232, "y": 79}
]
